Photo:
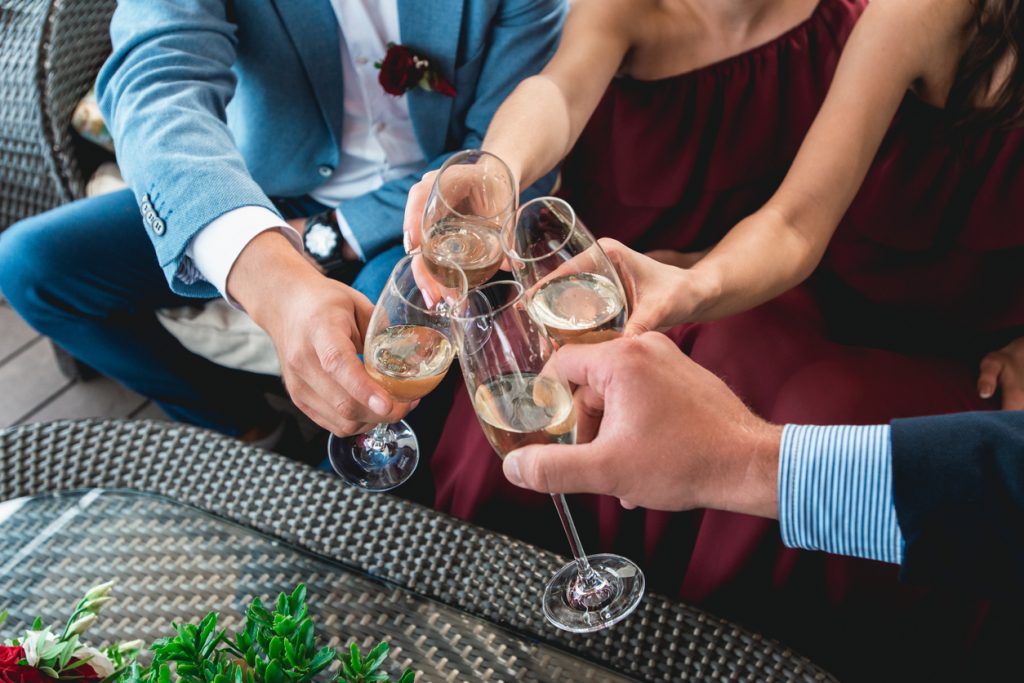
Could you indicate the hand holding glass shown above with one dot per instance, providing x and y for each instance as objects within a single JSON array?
[
  {"x": 572, "y": 287},
  {"x": 521, "y": 399},
  {"x": 472, "y": 200},
  {"x": 407, "y": 350}
]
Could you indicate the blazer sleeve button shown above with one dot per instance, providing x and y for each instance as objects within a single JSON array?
[{"x": 325, "y": 171}]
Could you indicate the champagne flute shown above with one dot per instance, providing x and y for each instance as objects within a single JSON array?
[
  {"x": 572, "y": 287},
  {"x": 521, "y": 399},
  {"x": 472, "y": 200},
  {"x": 407, "y": 350}
]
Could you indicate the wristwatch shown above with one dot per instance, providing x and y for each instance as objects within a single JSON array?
[{"x": 323, "y": 240}]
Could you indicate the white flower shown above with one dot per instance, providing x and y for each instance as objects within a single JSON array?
[
  {"x": 99, "y": 662},
  {"x": 34, "y": 643},
  {"x": 131, "y": 645},
  {"x": 80, "y": 626},
  {"x": 99, "y": 591}
]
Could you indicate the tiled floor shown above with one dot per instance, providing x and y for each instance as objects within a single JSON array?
[{"x": 32, "y": 389}]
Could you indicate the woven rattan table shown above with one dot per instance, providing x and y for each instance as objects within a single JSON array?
[{"x": 458, "y": 603}]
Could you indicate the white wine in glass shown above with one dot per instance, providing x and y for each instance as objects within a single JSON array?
[
  {"x": 407, "y": 352},
  {"x": 572, "y": 287},
  {"x": 520, "y": 410},
  {"x": 472, "y": 200},
  {"x": 579, "y": 308},
  {"x": 520, "y": 399},
  {"x": 409, "y": 361}
]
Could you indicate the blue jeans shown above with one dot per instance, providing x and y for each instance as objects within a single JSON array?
[{"x": 86, "y": 275}]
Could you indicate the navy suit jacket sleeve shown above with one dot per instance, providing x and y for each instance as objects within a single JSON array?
[{"x": 958, "y": 482}]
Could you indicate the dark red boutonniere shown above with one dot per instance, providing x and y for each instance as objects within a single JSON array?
[{"x": 402, "y": 69}]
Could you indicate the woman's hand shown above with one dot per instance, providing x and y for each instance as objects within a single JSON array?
[
  {"x": 679, "y": 259},
  {"x": 661, "y": 296},
  {"x": 1004, "y": 370}
]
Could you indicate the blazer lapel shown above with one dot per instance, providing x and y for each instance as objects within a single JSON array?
[
  {"x": 431, "y": 28},
  {"x": 313, "y": 27}
]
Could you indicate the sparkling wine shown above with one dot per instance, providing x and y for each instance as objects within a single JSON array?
[
  {"x": 408, "y": 360},
  {"x": 582, "y": 308},
  {"x": 472, "y": 244},
  {"x": 518, "y": 410}
]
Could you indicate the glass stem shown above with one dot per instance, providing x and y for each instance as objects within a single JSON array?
[
  {"x": 380, "y": 444},
  {"x": 586, "y": 572}
]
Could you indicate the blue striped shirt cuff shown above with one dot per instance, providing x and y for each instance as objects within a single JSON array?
[{"x": 835, "y": 491}]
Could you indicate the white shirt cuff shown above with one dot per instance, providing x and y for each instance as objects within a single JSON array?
[
  {"x": 215, "y": 248},
  {"x": 346, "y": 232}
]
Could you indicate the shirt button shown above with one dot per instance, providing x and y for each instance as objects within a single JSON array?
[
  {"x": 379, "y": 126},
  {"x": 325, "y": 171},
  {"x": 361, "y": 60}
]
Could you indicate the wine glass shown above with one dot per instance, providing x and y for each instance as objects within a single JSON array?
[
  {"x": 572, "y": 287},
  {"x": 520, "y": 398},
  {"x": 472, "y": 200},
  {"x": 407, "y": 350}
]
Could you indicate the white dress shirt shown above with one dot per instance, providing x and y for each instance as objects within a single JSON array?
[{"x": 378, "y": 144}]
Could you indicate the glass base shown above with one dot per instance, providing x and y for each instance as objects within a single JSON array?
[
  {"x": 375, "y": 465},
  {"x": 611, "y": 597}
]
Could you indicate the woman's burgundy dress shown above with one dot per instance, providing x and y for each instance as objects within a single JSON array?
[{"x": 925, "y": 274}]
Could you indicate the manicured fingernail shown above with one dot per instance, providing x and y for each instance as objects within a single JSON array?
[
  {"x": 406, "y": 242},
  {"x": 428, "y": 298},
  {"x": 986, "y": 392},
  {"x": 511, "y": 469},
  {"x": 379, "y": 404}
]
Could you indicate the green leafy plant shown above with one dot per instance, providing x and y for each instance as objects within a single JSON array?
[
  {"x": 276, "y": 646},
  {"x": 360, "y": 670}
]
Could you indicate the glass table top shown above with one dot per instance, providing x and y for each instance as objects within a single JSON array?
[{"x": 173, "y": 562}]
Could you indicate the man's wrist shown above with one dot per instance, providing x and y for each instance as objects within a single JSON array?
[
  {"x": 267, "y": 267},
  {"x": 751, "y": 486}
]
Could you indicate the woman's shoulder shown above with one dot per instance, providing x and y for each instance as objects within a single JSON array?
[{"x": 628, "y": 18}]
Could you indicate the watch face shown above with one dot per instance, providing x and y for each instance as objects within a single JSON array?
[{"x": 321, "y": 241}]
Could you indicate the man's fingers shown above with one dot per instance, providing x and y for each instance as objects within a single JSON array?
[
  {"x": 988, "y": 379},
  {"x": 363, "y": 310},
  {"x": 585, "y": 364},
  {"x": 589, "y": 411},
  {"x": 557, "y": 468},
  {"x": 639, "y": 323},
  {"x": 319, "y": 410}
]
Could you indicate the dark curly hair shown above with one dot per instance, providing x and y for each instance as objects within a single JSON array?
[{"x": 998, "y": 33}]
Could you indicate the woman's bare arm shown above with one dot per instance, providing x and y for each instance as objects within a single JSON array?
[
  {"x": 895, "y": 45},
  {"x": 540, "y": 121}
]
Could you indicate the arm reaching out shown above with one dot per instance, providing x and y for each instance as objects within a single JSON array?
[
  {"x": 538, "y": 123},
  {"x": 895, "y": 46}
]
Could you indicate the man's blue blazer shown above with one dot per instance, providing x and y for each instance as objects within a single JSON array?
[
  {"x": 958, "y": 482},
  {"x": 218, "y": 104}
]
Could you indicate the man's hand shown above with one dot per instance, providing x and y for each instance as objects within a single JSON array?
[
  {"x": 669, "y": 434},
  {"x": 1004, "y": 369},
  {"x": 661, "y": 296},
  {"x": 317, "y": 326}
]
